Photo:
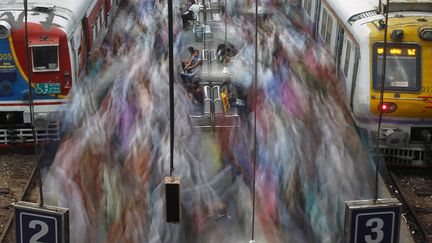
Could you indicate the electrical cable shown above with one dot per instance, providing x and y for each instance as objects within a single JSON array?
[
  {"x": 255, "y": 121},
  {"x": 204, "y": 24},
  {"x": 225, "y": 49},
  {"x": 383, "y": 72},
  {"x": 31, "y": 103},
  {"x": 171, "y": 82}
]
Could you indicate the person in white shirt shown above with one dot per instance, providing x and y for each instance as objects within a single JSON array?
[{"x": 190, "y": 13}]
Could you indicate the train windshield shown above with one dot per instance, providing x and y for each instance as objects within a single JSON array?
[
  {"x": 403, "y": 68},
  {"x": 45, "y": 58}
]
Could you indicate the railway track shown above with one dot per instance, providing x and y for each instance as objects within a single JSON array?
[
  {"x": 18, "y": 169},
  {"x": 414, "y": 189}
]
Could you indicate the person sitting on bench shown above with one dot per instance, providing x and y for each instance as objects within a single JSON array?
[
  {"x": 191, "y": 50},
  {"x": 190, "y": 13},
  {"x": 191, "y": 68},
  {"x": 194, "y": 62}
]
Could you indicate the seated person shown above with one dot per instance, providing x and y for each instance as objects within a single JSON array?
[
  {"x": 194, "y": 63},
  {"x": 191, "y": 68},
  {"x": 191, "y": 50},
  {"x": 234, "y": 94},
  {"x": 191, "y": 13},
  {"x": 220, "y": 53}
]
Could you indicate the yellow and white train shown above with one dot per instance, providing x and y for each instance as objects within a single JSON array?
[{"x": 354, "y": 32}]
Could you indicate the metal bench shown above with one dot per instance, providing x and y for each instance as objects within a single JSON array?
[
  {"x": 209, "y": 61},
  {"x": 203, "y": 32},
  {"x": 204, "y": 121},
  {"x": 222, "y": 118},
  {"x": 214, "y": 116}
]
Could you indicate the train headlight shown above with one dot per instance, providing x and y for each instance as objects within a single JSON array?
[
  {"x": 5, "y": 28},
  {"x": 41, "y": 121},
  {"x": 397, "y": 35},
  {"x": 387, "y": 107},
  {"x": 426, "y": 33}
]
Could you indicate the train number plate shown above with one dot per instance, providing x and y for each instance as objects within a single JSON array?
[{"x": 48, "y": 88}]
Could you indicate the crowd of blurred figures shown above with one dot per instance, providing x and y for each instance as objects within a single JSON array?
[{"x": 110, "y": 165}]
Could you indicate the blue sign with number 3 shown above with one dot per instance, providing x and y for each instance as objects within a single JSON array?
[
  {"x": 373, "y": 222},
  {"x": 374, "y": 227}
]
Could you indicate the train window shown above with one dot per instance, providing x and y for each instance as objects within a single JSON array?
[
  {"x": 329, "y": 29},
  {"x": 94, "y": 33},
  {"x": 103, "y": 15},
  {"x": 45, "y": 58},
  {"x": 98, "y": 23},
  {"x": 347, "y": 59},
  {"x": 326, "y": 26},
  {"x": 323, "y": 23},
  {"x": 308, "y": 6},
  {"x": 403, "y": 67}
]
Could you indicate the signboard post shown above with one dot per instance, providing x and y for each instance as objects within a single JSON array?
[
  {"x": 35, "y": 224},
  {"x": 172, "y": 199},
  {"x": 369, "y": 221}
]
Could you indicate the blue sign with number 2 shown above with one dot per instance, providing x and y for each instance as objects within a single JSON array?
[{"x": 38, "y": 228}]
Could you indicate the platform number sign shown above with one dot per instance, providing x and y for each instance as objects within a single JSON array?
[
  {"x": 367, "y": 221},
  {"x": 41, "y": 225}
]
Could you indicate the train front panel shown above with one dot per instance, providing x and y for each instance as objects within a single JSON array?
[
  {"x": 407, "y": 101},
  {"x": 48, "y": 68}
]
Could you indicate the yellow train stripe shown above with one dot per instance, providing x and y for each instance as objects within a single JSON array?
[{"x": 12, "y": 47}]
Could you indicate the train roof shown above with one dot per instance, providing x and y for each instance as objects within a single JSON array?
[
  {"x": 352, "y": 10},
  {"x": 65, "y": 14},
  {"x": 345, "y": 9}
]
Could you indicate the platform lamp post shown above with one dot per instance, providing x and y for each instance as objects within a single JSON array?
[
  {"x": 172, "y": 183},
  {"x": 254, "y": 139},
  {"x": 37, "y": 222},
  {"x": 225, "y": 69},
  {"x": 375, "y": 220}
]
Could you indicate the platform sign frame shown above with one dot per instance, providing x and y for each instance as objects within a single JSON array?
[
  {"x": 41, "y": 224},
  {"x": 368, "y": 221},
  {"x": 172, "y": 199}
]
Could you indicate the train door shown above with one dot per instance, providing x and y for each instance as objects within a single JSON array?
[
  {"x": 95, "y": 22},
  {"x": 74, "y": 56},
  {"x": 328, "y": 29},
  {"x": 310, "y": 10},
  {"x": 82, "y": 47},
  {"x": 348, "y": 66},
  {"x": 339, "y": 46}
]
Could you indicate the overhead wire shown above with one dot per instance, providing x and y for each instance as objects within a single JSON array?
[
  {"x": 31, "y": 101},
  {"x": 171, "y": 82},
  {"x": 382, "y": 82},
  {"x": 225, "y": 49},
  {"x": 254, "y": 157}
]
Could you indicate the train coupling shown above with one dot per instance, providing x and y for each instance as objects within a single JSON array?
[
  {"x": 395, "y": 137},
  {"x": 426, "y": 136}
]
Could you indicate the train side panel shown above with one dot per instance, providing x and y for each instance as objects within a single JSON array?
[{"x": 407, "y": 126}]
